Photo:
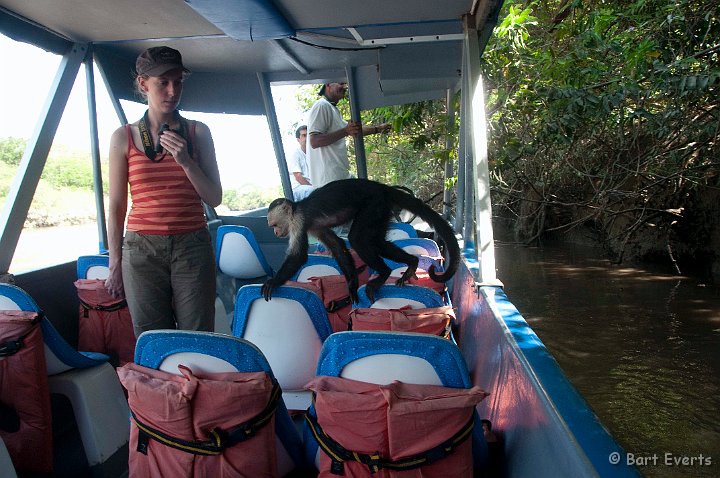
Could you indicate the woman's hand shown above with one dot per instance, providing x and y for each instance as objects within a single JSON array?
[
  {"x": 177, "y": 146},
  {"x": 114, "y": 283}
]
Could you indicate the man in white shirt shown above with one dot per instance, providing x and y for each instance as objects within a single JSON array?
[
  {"x": 326, "y": 149},
  {"x": 297, "y": 165}
]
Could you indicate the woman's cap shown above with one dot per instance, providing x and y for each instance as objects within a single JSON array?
[{"x": 157, "y": 60}]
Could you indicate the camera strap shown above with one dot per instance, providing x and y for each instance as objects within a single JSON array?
[{"x": 147, "y": 140}]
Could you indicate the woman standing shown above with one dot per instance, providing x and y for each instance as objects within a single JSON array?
[{"x": 165, "y": 265}]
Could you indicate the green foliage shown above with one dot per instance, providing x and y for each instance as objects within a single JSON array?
[
  {"x": 249, "y": 197},
  {"x": 11, "y": 150},
  {"x": 603, "y": 112}
]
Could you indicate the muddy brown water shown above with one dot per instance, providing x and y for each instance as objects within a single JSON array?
[{"x": 642, "y": 345}]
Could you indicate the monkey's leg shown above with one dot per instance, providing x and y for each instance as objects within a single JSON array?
[
  {"x": 344, "y": 259},
  {"x": 397, "y": 254},
  {"x": 367, "y": 236}
]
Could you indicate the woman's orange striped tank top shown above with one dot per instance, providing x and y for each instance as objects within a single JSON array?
[{"x": 163, "y": 199}]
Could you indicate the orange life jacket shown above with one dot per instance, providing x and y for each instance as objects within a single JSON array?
[
  {"x": 396, "y": 430},
  {"x": 334, "y": 293},
  {"x": 24, "y": 392},
  {"x": 189, "y": 425},
  {"x": 435, "y": 320},
  {"x": 105, "y": 325}
]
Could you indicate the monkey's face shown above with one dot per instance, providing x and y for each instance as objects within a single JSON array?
[{"x": 279, "y": 222}]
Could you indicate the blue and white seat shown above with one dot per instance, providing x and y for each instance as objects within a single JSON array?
[
  {"x": 290, "y": 329},
  {"x": 424, "y": 263},
  {"x": 93, "y": 267},
  {"x": 419, "y": 246},
  {"x": 206, "y": 352},
  {"x": 390, "y": 296},
  {"x": 238, "y": 254},
  {"x": 86, "y": 379},
  {"x": 317, "y": 265},
  {"x": 400, "y": 230},
  {"x": 383, "y": 357},
  {"x": 239, "y": 257}
]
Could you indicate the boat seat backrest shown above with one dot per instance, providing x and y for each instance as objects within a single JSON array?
[
  {"x": 207, "y": 352},
  {"x": 238, "y": 253},
  {"x": 59, "y": 355},
  {"x": 317, "y": 265},
  {"x": 400, "y": 230},
  {"x": 391, "y": 296},
  {"x": 424, "y": 264},
  {"x": 419, "y": 246},
  {"x": 382, "y": 357},
  {"x": 93, "y": 267},
  {"x": 290, "y": 329}
]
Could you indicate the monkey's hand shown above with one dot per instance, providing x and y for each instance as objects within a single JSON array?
[
  {"x": 267, "y": 288},
  {"x": 410, "y": 273}
]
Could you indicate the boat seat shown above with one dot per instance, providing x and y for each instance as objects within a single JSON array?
[
  {"x": 290, "y": 329},
  {"x": 424, "y": 263},
  {"x": 238, "y": 254},
  {"x": 86, "y": 379},
  {"x": 317, "y": 265},
  {"x": 400, "y": 230},
  {"x": 7, "y": 470},
  {"x": 241, "y": 261},
  {"x": 206, "y": 352},
  {"x": 390, "y": 296},
  {"x": 381, "y": 358},
  {"x": 420, "y": 246},
  {"x": 93, "y": 267}
]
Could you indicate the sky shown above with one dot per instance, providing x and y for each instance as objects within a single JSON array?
[{"x": 242, "y": 143}]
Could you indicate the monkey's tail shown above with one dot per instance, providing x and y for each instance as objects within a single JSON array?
[{"x": 442, "y": 229}]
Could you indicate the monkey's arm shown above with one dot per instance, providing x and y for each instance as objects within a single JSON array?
[
  {"x": 296, "y": 256},
  {"x": 343, "y": 258}
]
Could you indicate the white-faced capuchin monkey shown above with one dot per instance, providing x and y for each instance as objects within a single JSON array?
[{"x": 369, "y": 205}]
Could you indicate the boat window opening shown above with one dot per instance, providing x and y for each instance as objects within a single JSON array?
[{"x": 61, "y": 223}]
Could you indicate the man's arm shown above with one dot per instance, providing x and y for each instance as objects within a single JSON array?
[
  {"x": 318, "y": 140},
  {"x": 301, "y": 179},
  {"x": 380, "y": 128}
]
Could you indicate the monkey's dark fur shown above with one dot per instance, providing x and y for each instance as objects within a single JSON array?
[{"x": 369, "y": 205}]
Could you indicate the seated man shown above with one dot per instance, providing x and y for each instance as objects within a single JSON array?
[{"x": 297, "y": 165}]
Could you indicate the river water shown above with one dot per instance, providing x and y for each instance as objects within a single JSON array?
[{"x": 640, "y": 344}]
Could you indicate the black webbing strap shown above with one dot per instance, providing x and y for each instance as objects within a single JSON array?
[
  {"x": 336, "y": 305},
  {"x": 11, "y": 347},
  {"x": 338, "y": 454},
  {"x": 220, "y": 439},
  {"x": 147, "y": 141},
  {"x": 105, "y": 308}
]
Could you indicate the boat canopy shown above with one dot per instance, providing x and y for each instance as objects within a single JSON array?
[{"x": 401, "y": 51}]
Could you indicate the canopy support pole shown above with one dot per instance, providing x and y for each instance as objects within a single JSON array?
[{"x": 275, "y": 135}]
